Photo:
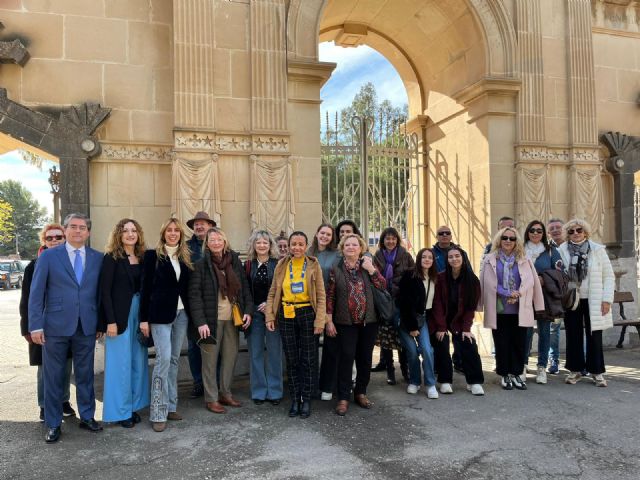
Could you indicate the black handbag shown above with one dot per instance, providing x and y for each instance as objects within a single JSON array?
[
  {"x": 144, "y": 341},
  {"x": 384, "y": 305}
]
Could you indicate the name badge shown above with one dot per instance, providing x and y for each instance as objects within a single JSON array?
[{"x": 297, "y": 287}]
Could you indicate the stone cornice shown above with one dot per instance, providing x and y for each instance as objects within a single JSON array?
[
  {"x": 135, "y": 153},
  {"x": 488, "y": 86},
  {"x": 244, "y": 144},
  {"x": 301, "y": 70},
  {"x": 544, "y": 155}
]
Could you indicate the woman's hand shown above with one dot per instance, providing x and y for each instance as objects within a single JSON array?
[
  {"x": 112, "y": 330},
  {"x": 317, "y": 330},
  {"x": 367, "y": 264},
  {"x": 468, "y": 335},
  {"x": 246, "y": 321},
  {"x": 440, "y": 335},
  {"x": 414, "y": 333},
  {"x": 144, "y": 328},
  {"x": 271, "y": 326},
  {"x": 262, "y": 307},
  {"x": 204, "y": 331},
  {"x": 605, "y": 307},
  {"x": 330, "y": 329}
]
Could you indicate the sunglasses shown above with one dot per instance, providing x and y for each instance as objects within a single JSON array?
[
  {"x": 54, "y": 237},
  {"x": 535, "y": 230},
  {"x": 576, "y": 230},
  {"x": 504, "y": 238},
  {"x": 444, "y": 234}
]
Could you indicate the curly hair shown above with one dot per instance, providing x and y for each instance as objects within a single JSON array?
[
  {"x": 518, "y": 248},
  {"x": 361, "y": 242},
  {"x": 577, "y": 222},
  {"x": 115, "y": 246},
  {"x": 46, "y": 228},
  {"x": 183, "y": 249},
  {"x": 251, "y": 244}
]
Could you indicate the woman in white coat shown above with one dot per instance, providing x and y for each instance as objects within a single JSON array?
[{"x": 588, "y": 266}]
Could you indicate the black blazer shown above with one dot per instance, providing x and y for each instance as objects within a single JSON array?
[
  {"x": 160, "y": 289},
  {"x": 116, "y": 290},
  {"x": 411, "y": 301}
]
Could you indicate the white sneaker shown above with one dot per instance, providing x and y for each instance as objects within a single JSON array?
[
  {"x": 446, "y": 388},
  {"x": 476, "y": 389},
  {"x": 432, "y": 392},
  {"x": 413, "y": 389},
  {"x": 326, "y": 396},
  {"x": 542, "y": 376}
]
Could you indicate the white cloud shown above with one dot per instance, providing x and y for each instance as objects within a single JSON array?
[{"x": 12, "y": 167}]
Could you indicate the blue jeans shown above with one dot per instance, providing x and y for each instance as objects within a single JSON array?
[
  {"x": 195, "y": 362},
  {"x": 415, "y": 346},
  {"x": 544, "y": 338},
  {"x": 66, "y": 394},
  {"x": 266, "y": 368},
  {"x": 554, "y": 342},
  {"x": 168, "y": 339}
]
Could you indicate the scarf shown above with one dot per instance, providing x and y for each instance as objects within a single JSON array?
[
  {"x": 578, "y": 261},
  {"x": 357, "y": 299},
  {"x": 533, "y": 250},
  {"x": 228, "y": 282},
  {"x": 508, "y": 261},
  {"x": 389, "y": 258}
]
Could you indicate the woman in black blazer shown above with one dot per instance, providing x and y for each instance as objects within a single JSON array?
[
  {"x": 126, "y": 365},
  {"x": 163, "y": 312}
]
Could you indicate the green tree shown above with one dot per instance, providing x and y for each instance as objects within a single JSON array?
[
  {"x": 6, "y": 222},
  {"x": 27, "y": 216}
]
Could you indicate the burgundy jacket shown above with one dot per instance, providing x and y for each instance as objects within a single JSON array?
[{"x": 463, "y": 319}]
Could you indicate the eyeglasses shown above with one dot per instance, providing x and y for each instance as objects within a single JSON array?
[
  {"x": 504, "y": 238},
  {"x": 576, "y": 230},
  {"x": 535, "y": 230},
  {"x": 54, "y": 237},
  {"x": 444, "y": 234}
]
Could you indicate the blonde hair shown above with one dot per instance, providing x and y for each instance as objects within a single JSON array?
[
  {"x": 114, "y": 243},
  {"x": 46, "y": 228},
  {"x": 183, "y": 252},
  {"x": 363, "y": 245},
  {"x": 257, "y": 235},
  {"x": 518, "y": 248},
  {"x": 219, "y": 231},
  {"x": 577, "y": 222}
]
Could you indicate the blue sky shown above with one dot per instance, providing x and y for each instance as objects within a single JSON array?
[{"x": 356, "y": 66}]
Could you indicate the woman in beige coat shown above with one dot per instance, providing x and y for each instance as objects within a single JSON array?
[{"x": 511, "y": 293}]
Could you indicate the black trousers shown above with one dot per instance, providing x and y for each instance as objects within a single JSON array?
[
  {"x": 469, "y": 357},
  {"x": 300, "y": 351},
  {"x": 577, "y": 325},
  {"x": 329, "y": 364},
  {"x": 510, "y": 342},
  {"x": 355, "y": 343}
]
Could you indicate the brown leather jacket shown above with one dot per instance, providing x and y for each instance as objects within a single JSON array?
[{"x": 315, "y": 284}]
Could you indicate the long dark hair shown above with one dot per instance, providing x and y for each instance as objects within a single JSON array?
[
  {"x": 315, "y": 247},
  {"x": 545, "y": 240},
  {"x": 432, "y": 273},
  {"x": 351, "y": 223},
  {"x": 468, "y": 280}
]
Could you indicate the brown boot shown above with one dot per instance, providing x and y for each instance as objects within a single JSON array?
[
  {"x": 159, "y": 426},
  {"x": 174, "y": 416},
  {"x": 228, "y": 401},
  {"x": 342, "y": 407},
  {"x": 215, "y": 407}
]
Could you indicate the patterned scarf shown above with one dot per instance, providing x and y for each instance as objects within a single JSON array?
[
  {"x": 389, "y": 258},
  {"x": 578, "y": 263},
  {"x": 508, "y": 261},
  {"x": 356, "y": 295}
]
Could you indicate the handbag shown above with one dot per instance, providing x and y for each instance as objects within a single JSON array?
[
  {"x": 384, "y": 306},
  {"x": 144, "y": 341},
  {"x": 571, "y": 299},
  {"x": 236, "y": 314}
]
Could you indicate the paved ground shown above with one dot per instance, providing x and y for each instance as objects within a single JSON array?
[{"x": 552, "y": 431}]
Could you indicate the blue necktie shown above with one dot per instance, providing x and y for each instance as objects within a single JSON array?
[{"x": 77, "y": 266}]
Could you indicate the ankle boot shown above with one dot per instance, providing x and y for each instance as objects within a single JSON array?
[
  {"x": 404, "y": 365},
  {"x": 384, "y": 359},
  {"x": 294, "y": 411},
  {"x": 391, "y": 373}
]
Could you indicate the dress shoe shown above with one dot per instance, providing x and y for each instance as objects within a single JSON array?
[
  {"x": 342, "y": 407},
  {"x": 197, "y": 391},
  {"x": 257, "y": 401},
  {"x": 216, "y": 407},
  {"x": 362, "y": 400},
  {"x": 275, "y": 401},
  {"x": 128, "y": 423},
  {"x": 67, "y": 410},
  {"x": 159, "y": 426},
  {"x": 53, "y": 435},
  {"x": 91, "y": 425},
  {"x": 305, "y": 409},
  {"x": 294, "y": 411},
  {"x": 229, "y": 401},
  {"x": 41, "y": 415},
  {"x": 135, "y": 418},
  {"x": 174, "y": 416}
]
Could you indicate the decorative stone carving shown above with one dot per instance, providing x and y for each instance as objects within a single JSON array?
[
  {"x": 228, "y": 143},
  {"x": 616, "y": 16},
  {"x": 543, "y": 155},
  {"x": 533, "y": 193},
  {"x": 195, "y": 186},
  {"x": 587, "y": 200},
  {"x": 272, "y": 199},
  {"x": 500, "y": 35},
  {"x": 140, "y": 153},
  {"x": 13, "y": 52}
]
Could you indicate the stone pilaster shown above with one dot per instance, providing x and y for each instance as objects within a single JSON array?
[
  {"x": 193, "y": 27},
  {"x": 269, "y": 66}
]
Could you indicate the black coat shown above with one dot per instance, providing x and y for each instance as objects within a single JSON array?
[
  {"x": 160, "y": 289},
  {"x": 403, "y": 262},
  {"x": 203, "y": 295},
  {"x": 412, "y": 300},
  {"x": 117, "y": 288}
]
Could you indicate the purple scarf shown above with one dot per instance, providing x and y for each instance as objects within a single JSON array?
[{"x": 389, "y": 258}]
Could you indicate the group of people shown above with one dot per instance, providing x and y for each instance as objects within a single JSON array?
[{"x": 287, "y": 293}]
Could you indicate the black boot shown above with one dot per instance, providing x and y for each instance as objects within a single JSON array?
[
  {"x": 404, "y": 365},
  {"x": 382, "y": 364},
  {"x": 305, "y": 409},
  {"x": 391, "y": 370},
  {"x": 294, "y": 411}
]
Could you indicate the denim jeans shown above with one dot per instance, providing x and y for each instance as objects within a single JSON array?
[
  {"x": 66, "y": 394},
  {"x": 544, "y": 338},
  {"x": 168, "y": 339},
  {"x": 554, "y": 341},
  {"x": 416, "y": 346},
  {"x": 195, "y": 362},
  {"x": 266, "y": 367}
]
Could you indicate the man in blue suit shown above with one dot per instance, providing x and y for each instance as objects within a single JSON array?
[{"x": 63, "y": 313}]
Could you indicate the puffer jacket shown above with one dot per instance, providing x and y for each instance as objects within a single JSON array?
[{"x": 600, "y": 283}]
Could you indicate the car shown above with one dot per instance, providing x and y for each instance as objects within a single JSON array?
[{"x": 10, "y": 274}]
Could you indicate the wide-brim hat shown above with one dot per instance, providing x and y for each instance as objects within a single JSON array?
[{"x": 201, "y": 216}]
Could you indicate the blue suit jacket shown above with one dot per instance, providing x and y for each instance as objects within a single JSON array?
[{"x": 56, "y": 301}]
